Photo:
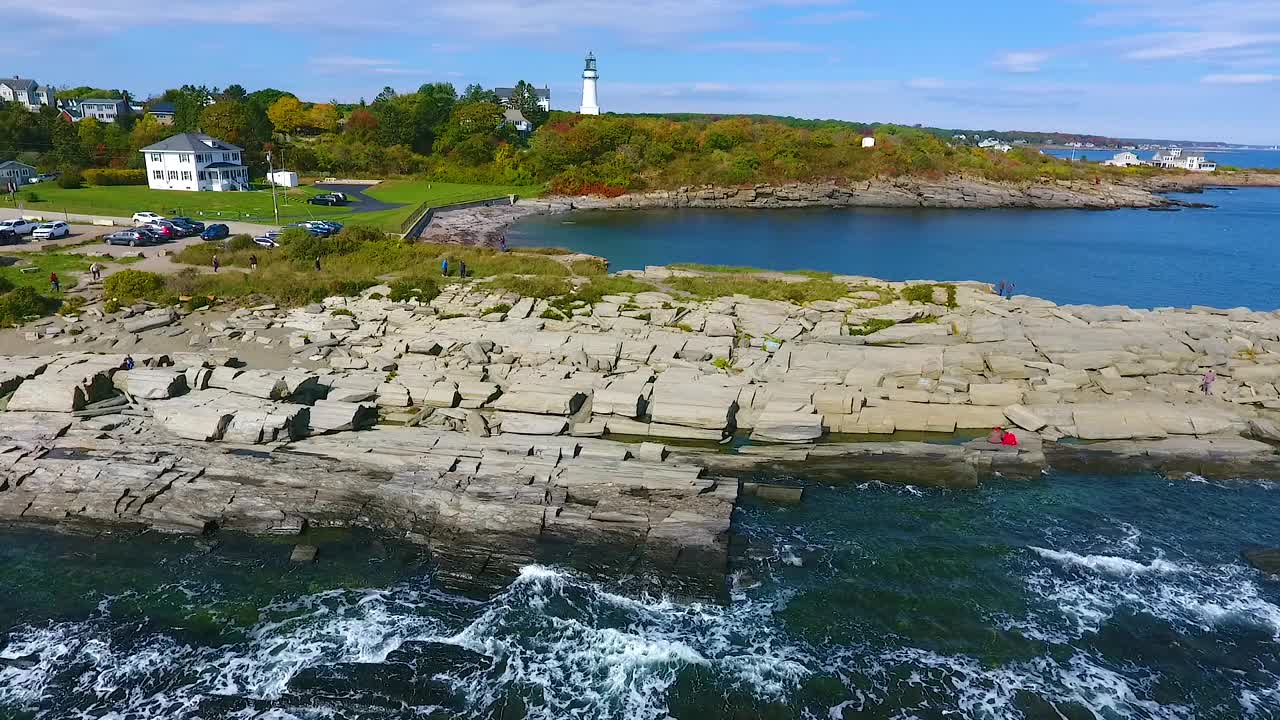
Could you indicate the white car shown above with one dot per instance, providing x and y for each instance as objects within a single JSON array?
[
  {"x": 51, "y": 230},
  {"x": 143, "y": 218},
  {"x": 19, "y": 226}
]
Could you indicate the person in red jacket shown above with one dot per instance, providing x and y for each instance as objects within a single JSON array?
[{"x": 1009, "y": 439}]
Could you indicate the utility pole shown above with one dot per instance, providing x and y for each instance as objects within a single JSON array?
[{"x": 272, "y": 181}]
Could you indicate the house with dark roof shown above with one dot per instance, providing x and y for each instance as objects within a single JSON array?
[
  {"x": 163, "y": 112},
  {"x": 194, "y": 161},
  {"x": 26, "y": 92},
  {"x": 17, "y": 173},
  {"x": 544, "y": 96},
  {"x": 100, "y": 109}
]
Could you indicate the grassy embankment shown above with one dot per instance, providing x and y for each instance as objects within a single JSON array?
[{"x": 125, "y": 200}]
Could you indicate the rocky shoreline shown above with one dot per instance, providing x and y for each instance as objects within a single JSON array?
[
  {"x": 481, "y": 428},
  {"x": 486, "y": 226}
]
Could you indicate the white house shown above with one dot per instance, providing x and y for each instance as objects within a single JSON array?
[
  {"x": 12, "y": 171},
  {"x": 517, "y": 119},
  {"x": 1125, "y": 159},
  {"x": 26, "y": 92},
  {"x": 868, "y": 142},
  {"x": 283, "y": 178},
  {"x": 101, "y": 109},
  {"x": 192, "y": 161},
  {"x": 543, "y": 94},
  {"x": 1174, "y": 159}
]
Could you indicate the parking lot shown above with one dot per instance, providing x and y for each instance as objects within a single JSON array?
[{"x": 83, "y": 240}]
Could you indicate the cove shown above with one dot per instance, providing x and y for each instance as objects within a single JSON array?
[{"x": 1223, "y": 256}]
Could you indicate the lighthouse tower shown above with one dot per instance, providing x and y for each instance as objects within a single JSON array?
[{"x": 589, "y": 77}]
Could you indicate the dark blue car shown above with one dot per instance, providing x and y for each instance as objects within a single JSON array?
[{"x": 216, "y": 231}]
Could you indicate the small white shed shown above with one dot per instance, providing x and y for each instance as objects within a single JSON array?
[{"x": 284, "y": 178}]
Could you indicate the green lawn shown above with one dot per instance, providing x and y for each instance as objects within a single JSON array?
[
  {"x": 65, "y": 264},
  {"x": 125, "y": 200}
]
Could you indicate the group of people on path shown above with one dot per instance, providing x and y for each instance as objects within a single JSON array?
[
  {"x": 444, "y": 268},
  {"x": 253, "y": 263}
]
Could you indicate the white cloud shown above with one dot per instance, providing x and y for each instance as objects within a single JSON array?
[
  {"x": 348, "y": 64},
  {"x": 1164, "y": 46},
  {"x": 1240, "y": 79},
  {"x": 1022, "y": 61}
]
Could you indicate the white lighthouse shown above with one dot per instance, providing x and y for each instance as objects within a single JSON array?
[{"x": 589, "y": 76}]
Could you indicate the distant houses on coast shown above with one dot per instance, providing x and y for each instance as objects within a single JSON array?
[{"x": 1171, "y": 159}]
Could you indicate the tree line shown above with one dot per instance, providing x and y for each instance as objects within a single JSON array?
[{"x": 442, "y": 134}]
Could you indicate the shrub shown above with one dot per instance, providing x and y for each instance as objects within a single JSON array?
[
  {"x": 111, "y": 306},
  {"x": 196, "y": 302},
  {"x": 873, "y": 325},
  {"x": 595, "y": 290},
  {"x": 21, "y": 303},
  {"x": 5, "y": 285},
  {"x": 71, "y": 305},
  {"x": 70, "y": 180},
  {"x": 342, "y": 312},
  {"x": 361, "y": 234},
  {"x": 421, "y": 287},
  {"x": 130, "y": 285},
  {"x": 33, "y": 197},
  {"x": 532, "y": 286},
  {"x": 292, "y": 235},
  {"x": 924, "y": 293},
  {"x": 240, "y": 243},
  {"x": 115, "y": 176},
  {"x": 765, "y": 289},
  {"x": 590, "y": 266}
]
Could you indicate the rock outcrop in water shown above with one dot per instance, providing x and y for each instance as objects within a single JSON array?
[
  {"x": 909, "y": 192},
  {"x": 473, "y": 424}
]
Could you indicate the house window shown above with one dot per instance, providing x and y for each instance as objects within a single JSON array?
[
  {"x": 155, "y": 157},
  {"x": 235, "y": 156},
  {"x": 157, "y": 174},
  {"x": 226, "y": 157},
  {"x": 201, "y": 175},
  {"x": 186, "y": 174},
  {"x": 173, "y": 174},
  {"x": 185, "y": 157}
]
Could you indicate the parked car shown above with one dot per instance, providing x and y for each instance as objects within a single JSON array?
[
  {"x": 42, "y": 178},
  {"x": 155, "y": 237},
  {"x": 20, "y": 226},
  {"x": 189, "y": 226},
  {"x": 314, "y": 227},
  {"x": 216, "y": 231},
  {"x": 268, "y": 239},
  {"x": 336, "y": 227},
  {"x": 132, "y": 238},
  {"x": 9, "y": 237},
  {"x": 142, "y": 218},
  {"x": 165, "y": 229},
  {"x": 50, "y": 230},
  {"x": 328, "y": 199}
]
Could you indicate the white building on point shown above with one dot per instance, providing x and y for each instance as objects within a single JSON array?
[
  {"x": 192, "y": 161},
  {"x": 590, "y": 105},
  {"x": 1125, "y": 159},
  {"x": 1174, "y": 159}
]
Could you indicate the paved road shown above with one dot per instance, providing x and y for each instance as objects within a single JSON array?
[{"x": 361, "y": 203}]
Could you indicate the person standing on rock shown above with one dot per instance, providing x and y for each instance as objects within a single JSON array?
[
  {"x": 96, "y": 271},
  {"x": 216, "y": 264},
  {"x": 997, "y": 436},
  {"x": 1206, "y": 383},
  {"x": 253, "y": 262}
]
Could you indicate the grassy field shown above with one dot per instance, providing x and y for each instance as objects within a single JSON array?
[
  {"x": 125, "y": 200},
  {"x": 65, "y": 264}
]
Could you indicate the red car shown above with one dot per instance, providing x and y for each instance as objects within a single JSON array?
[{"x": 163, "y": 229}]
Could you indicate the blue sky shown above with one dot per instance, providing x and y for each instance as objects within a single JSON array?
[{"x": 1178, "y": 69}]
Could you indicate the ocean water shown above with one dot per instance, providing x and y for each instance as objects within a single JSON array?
[
  {"x": 1268, "y": 159},
  {"x": 1224, "y": 257},
  {"x": 1070, "y": 597}
]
